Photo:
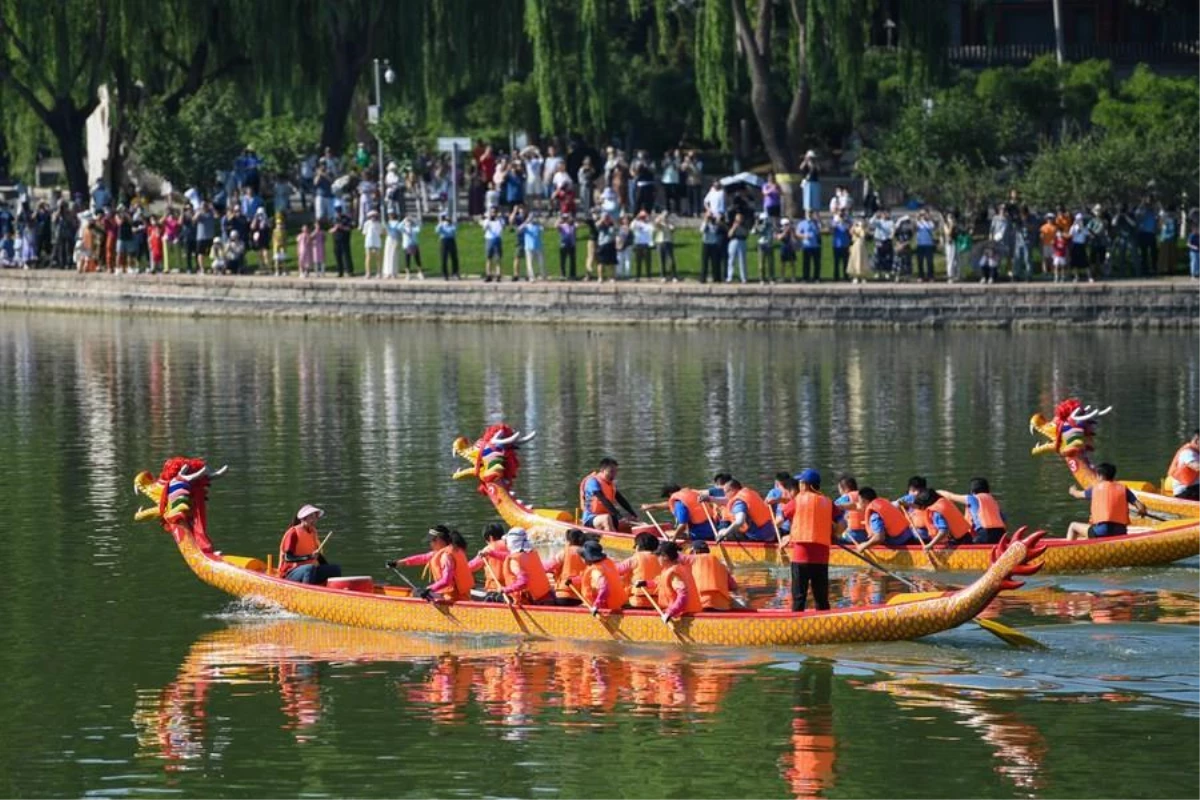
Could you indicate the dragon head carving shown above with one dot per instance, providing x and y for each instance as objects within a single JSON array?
[
  {"x": 178, "y": 493},
  {"x": 493, "y": 456},
  {"x": 1070, "y": 432}
]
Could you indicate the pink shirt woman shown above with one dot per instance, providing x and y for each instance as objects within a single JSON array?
[
  {"x": 303, "y": 250},
  {"x": 316, "y": 247}
]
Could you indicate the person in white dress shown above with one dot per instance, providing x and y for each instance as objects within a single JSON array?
[
  {"x": 391, "y": 247},
  {"x": 372, "y": 231}
]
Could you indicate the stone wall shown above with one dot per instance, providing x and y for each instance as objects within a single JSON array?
[{"x": 1141, "y": 304}]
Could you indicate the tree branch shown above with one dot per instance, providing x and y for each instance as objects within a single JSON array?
[
  {"x": 6, "y": 31},
  {"x": 27, "y": 94},
  {"x": 98, "y": 43},
  {"x": 763, "y": 28}
]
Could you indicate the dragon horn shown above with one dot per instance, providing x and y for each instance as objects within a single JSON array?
[
  {"x": 189, "y": 478},
  {"x": 1088, "y": 416},
  {"x": 219, "y": 472},
  {"x": 1074, "y": 415},
  {"x": 496, "y": 440},
  {"x": 529, "y": 436},
  {"x": 1105, "y": 411}
]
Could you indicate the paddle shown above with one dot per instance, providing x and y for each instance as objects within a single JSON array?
[
  {"x": 712, "y": 526},
  {"x": 1010, "y": 636},
  {"x": 933, "y": 565},
  {"x": 661, "y": 533},
  {"x": 487, "y": 565},
  {"x": 321, "y": 546},
  {"x": 666, "y": 620},
  {"x": 416, "y": 592}
]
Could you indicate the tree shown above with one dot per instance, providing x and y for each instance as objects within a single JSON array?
[
  {"x": 53, "y": 54},
  {"x": 282, "y": 141},
  {"x": 191, "y": 147}
]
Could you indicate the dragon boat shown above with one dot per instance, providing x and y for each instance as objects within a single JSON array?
[
  {"x": 495, "y": 465},
  {"x": 179, "y": 495},
  {"x": 1071, "y": 434}
]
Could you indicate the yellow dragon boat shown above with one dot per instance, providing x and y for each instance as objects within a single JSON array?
[
  {"x": 494, "y": 467},
  {"x": 180, "y": 494},
  {"x": 1071, "y": 433}
]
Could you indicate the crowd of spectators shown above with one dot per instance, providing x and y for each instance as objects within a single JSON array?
[{"x": 615, "y": 218}]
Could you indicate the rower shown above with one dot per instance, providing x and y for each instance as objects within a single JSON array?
[
  {"x": 716, "y": 492},
  {"x": 886, "y": 524},
  {"x": 566, "y": 566},
  {"x": 775, "y": 499},
  {"x": 815, "y": 521},
  {"x": 600, "y": 583},
  {"x": 983, "y": 512},
  {"x": 749, "y": 515},
  {"x": 916, "y": 516},
  {"x": 493, "y": 546},
  {"x": 640, "y": 567},
  {"x": 1184, "y": 471},
  {"x": 598, "y": 499},
  {"x": 524, "y": 573},
  {"x": 447, "y": 560},
  {"x": 1110, "y": 507},
  {"x": 848, "y": 502},
  {"x": 300, "y": 558},
  {"x": 713, "y": 579},
  {"x": 675, "y": 586},
  {"x": 944, "y": 519},
  {"x": 691, "y": 521}
]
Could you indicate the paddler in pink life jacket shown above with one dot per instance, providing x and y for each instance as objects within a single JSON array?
[{"x": 1184, "y": 470}]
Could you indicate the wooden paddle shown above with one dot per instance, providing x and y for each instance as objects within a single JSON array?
[
  {"x": 661, "y": 533},
  {"x": 1010, "y": 636},
  {"x": 933, "y": 565},
  {"x": 487, "y": 565},
  {"x": 321, "y": 546},
  {"x": 712, "y": 526},
  {"x": 416, "y": 592},
  {"x": 653, "y": 602}
]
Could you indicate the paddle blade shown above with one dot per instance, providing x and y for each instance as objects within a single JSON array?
[{"x": 1011, "y": 636}]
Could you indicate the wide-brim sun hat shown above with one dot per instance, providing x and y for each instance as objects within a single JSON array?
[{"x": 307, "y": 510}]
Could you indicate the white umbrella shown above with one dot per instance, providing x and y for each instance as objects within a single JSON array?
[{"x": 741, "y": 177}]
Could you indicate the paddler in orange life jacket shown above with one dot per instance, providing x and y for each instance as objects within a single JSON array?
[
  {"x": 886, "y": 524},
  {"x": 300, "y": 558},
  {"x": 713, "y": 579},
  {"x": 600, "y": 582},
  {"x": 493, "y": 544},
  {"x": 1110, "y": 507},
  {"x": 776, "y": 496},
  {"x": 916, "y": 516},
  {"x": 640, "y": 567},
  {"x": 691, "y": 521},
  {"x": 447, "y": 560},
  {"x": 815, "y": 521},
  {"x": 598, "y": 499},
  {"x": 676, "y": 590},
  {"x": 524, "y": 573},
  {"x": 983, "y": 512},
  {"x": 1184, "y": 471},
  {"x": 567, "y": 565},
  {"x": 945, "y": 521},
  {"x": 847, "y": 501},
  {"x": 748, "y": 514}
]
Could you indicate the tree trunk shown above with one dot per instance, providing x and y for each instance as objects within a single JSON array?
[
  {"x": 349, "y": 58},
  {"x": 68, "y": 129}
]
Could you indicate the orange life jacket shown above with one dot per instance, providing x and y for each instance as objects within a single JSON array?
[
  {"x": 955, "y": 521},
  {"x": 645, "y": 568},
  {"x": 455, "y": 560},
  {"x": 1109, "y": 503},
  {"x": 491, "y": 584},
  {"x": 758, "y": 513},
  {"x": 916, "y": 517},
  {"x": 616, "y": 587},
  {"x": 812, "y": 522},
  {"x": 667, "y": 591},
  {"x": 537, "y": 585},
  {"x": 1183, "y": 474},
  {"x": 572, "y": 565},
  {"x": 607, "y": 488},
  {"x": 989, "y": 512},
  {"x": 691, "y": 501},
  {"x": 854, "y": 516},
  {"x": 712, "y": 581},
  {"x": 306, "y": 544},
  {"x": 894, "y": 521}
]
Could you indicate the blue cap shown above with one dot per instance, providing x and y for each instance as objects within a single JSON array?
[{"x": 810, "y": 476}]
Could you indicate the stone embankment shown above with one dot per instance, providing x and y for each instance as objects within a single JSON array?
[{"x": 1119, "y": 304}]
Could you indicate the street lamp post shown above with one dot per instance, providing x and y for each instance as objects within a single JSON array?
[
  {"x": 890, "y": 24},
  {"x": 389, "y": 76}
]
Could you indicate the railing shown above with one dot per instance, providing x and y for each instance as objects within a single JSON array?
[{"x": 1123, "y": 53}]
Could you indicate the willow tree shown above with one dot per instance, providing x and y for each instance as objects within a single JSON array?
[{"x": 52, "y": 55}]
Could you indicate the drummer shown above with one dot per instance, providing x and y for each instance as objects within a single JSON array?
[
  {"x": 300, "y": 556},
  {"x": 1110, "y": 507}
]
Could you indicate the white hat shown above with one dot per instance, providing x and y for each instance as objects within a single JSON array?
[
  {"x": 517, "y": 541},
  {"x": 391, "y": 166},
  {"x": 811, "y": 154},
  {"x": 308, "y": 510}
]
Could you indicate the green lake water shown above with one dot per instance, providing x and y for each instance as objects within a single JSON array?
[{"x": 127, "y": 677}]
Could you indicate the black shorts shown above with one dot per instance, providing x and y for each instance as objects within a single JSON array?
[
  {"x": 607, "y": 255},
  {"x": 204, "y": 246}
]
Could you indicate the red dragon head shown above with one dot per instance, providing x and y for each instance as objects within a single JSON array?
[
  {"x": 493, "y": 456},
  {"x": 179, "y": 494}
]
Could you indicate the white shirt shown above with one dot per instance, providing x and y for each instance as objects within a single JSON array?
[
  {"x": 372, "y": 233},
  {"x": 549, "y": 167},
  {"x": 643, "y": 232},
  {"x": 193, "y": 197},
  {"x": 492, "y": 228},
  {"x": 714, "y": 202},
  {"x": 409, "y": 231},
  {"x": 1190, "y": 458}
]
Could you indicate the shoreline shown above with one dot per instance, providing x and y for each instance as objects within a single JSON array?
[{"x": 1150, "y": 304}]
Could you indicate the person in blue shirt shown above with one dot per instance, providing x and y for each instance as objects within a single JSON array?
[
  {"x": 1193, "y": 243},
  {"x": 808, "y": 231},
  {"x": 530, "y": 232},
  {"x": 906, "y": 503},
  {"x": 988, "y": 522},
  {"x": 840, "y": 230},
  {"x": 926, "y": 228},
  {"x": 748, "y": 514},
  {"x": 599, "y": 498},
  {"x": 885, "y": 524},
  {"x": 775, "y": 499},
  {"x": 717, "y": 490},
  {"x": 690, "y": 518},
  {"x": 1147, "y": 240},
  {"x": 447, "y": 232}
]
